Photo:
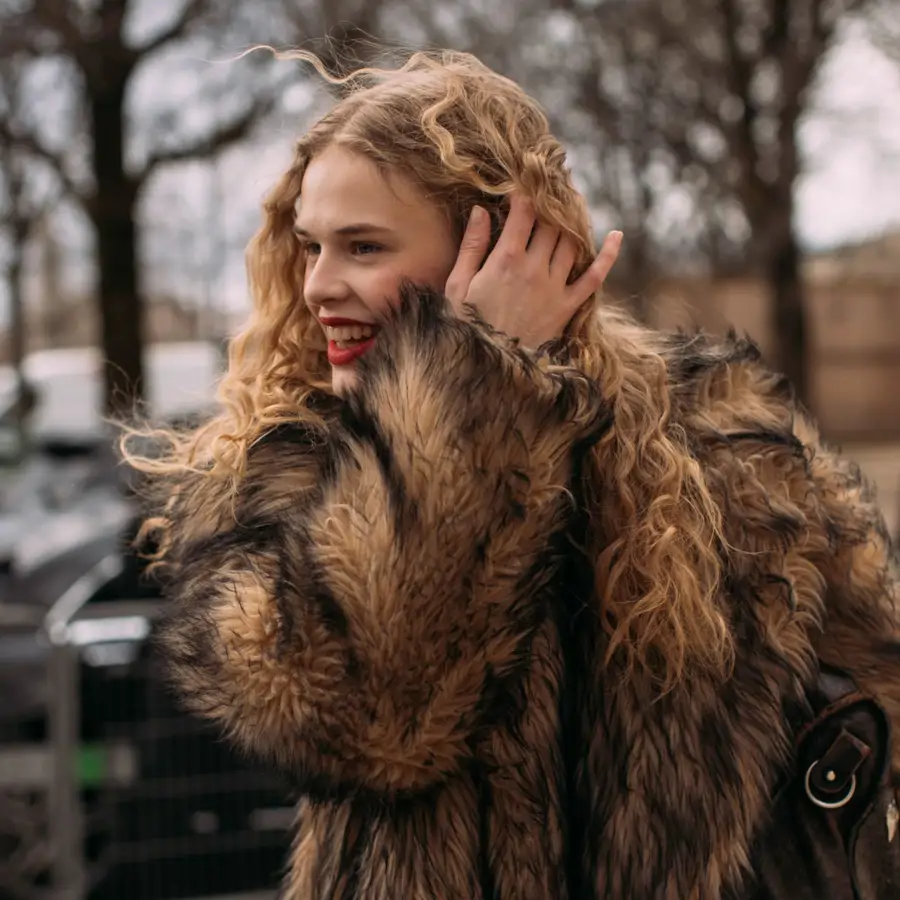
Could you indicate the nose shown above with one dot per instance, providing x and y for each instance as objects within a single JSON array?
[{"x": 324, "y": 281}]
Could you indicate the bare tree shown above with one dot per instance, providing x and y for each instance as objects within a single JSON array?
[
  {"x": 884, "y": 27},
  {"x": 344, "y": 34},
  {"x": 597, "y": 70},
  {"x": 883, "y": 30},
  {"x": 678, "y": 111},
  {"x": 706, "y": 96},
  {"x": 92, "y": 44},
  {"x": 772, "y": 51},
  {"x": 28, "y": 191}
]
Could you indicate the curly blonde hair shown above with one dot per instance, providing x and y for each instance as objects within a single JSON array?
[{"x": 467, "y": 135}]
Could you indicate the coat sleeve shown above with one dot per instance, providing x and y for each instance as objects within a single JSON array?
[{"x": 366, "y": 612}]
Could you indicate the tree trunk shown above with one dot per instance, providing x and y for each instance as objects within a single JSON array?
[
  {"x": 788, "y": 316},
  {"x": 24, "y": 396},
  {"x": 113, "y": 211}
]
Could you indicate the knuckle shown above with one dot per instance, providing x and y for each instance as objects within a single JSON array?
[{"x": 508, "y": 258}]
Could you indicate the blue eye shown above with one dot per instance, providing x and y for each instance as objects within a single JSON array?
[{"x": 365, "y": 248}]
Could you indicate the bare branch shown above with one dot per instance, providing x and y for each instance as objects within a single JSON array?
[
  {"x": 212, "y": 143},
  {"x": 345, "y": 35},
  {"x": 192, "y": 12},
  {"x": 884, "y": 28},
  {"x": 53, "y": 16},
  {"x": 28, "y": 143}
]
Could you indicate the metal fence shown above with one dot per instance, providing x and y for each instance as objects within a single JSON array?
[{"x": 109, "y": 792}]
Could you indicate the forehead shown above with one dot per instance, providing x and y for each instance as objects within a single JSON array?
[{"x": 339, "y": 185}]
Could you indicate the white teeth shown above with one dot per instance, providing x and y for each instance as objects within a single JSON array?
[{"x": 343, "y": 333}]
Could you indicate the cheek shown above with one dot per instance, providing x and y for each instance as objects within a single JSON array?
[
  {"x": 437, "y": 276},
  {"x": 431, "y": 273},
  {"x": 382, "y": 287}
]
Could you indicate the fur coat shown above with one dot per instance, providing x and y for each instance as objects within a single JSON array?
[{"x": 398, "y": 611}]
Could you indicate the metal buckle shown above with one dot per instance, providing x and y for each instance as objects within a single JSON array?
[{"x": 829, "y": 804}]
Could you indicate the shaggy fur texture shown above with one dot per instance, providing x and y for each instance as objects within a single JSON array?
[{"x": 396, "y": 612}]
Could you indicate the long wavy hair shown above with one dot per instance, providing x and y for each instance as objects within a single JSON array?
[{"x": 467, "y": 135}]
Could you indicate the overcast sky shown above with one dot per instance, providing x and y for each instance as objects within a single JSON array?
[
  {"x": 852, "y": 187},
  {"x": 850, "y": 192}
]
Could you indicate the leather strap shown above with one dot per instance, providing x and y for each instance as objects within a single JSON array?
[{"x": 831, "y": 780}]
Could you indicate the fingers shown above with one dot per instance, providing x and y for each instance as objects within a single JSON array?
[
  {"x": 517, "y": 229},
  {"x": 608, "y": 255},
  {"x": 592, "y": 279},
  {"x": 563, "y": 260},
  {"x": 472, "y": 250},
  {"x": 543, "y": 243}
]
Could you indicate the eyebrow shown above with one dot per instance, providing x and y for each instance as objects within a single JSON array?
[{"x": 356, "y": 228}]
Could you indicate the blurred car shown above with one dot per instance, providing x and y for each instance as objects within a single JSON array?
[
  {"x": 63, "y": 508},
  {"x": 168, "y": 810},
  {"x": 58, "y": 476}
]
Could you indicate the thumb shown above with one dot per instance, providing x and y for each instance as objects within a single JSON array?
[{"x": 472, "y": 250}]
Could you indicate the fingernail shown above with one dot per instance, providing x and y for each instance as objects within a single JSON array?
[{"x": 478, "y": 215}]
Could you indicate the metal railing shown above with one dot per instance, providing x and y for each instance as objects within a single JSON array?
[{"x": 121, "y": 796}]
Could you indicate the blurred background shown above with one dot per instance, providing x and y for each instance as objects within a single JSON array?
[{"x": 749, "y": 149}]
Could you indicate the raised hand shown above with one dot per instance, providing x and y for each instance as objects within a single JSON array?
[{"x": 521, "y": 288}]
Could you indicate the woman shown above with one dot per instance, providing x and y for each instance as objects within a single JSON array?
[{"x": 528, "y": 601}]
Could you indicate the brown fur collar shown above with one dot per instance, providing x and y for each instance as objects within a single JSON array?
[{"x": 394, "y": 612}]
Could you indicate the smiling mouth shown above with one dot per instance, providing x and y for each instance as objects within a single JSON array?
[
  {"x": 346, "y": 336},
  {"x": 346, "y": 343}
]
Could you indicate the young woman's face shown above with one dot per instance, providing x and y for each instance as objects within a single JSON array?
[{"x": 364, "y": 234}]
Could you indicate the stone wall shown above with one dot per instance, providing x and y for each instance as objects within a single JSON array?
[{"x": 854, "y": 343}]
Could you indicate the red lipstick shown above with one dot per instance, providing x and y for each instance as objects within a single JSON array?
[{"x": 343, "y": 356}]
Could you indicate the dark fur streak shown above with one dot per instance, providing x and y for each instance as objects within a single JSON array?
[
  {"x": 767, "y": 436},
  {"x": 301, "y": 579},
  {"x": 362, "y": 425},
  {"x": 791, "y": 596}
]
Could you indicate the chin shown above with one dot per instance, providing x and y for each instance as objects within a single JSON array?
[{"x": 343, "y": 378}]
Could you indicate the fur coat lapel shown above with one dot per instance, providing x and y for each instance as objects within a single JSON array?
[{"x": 397, "y": 609}]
